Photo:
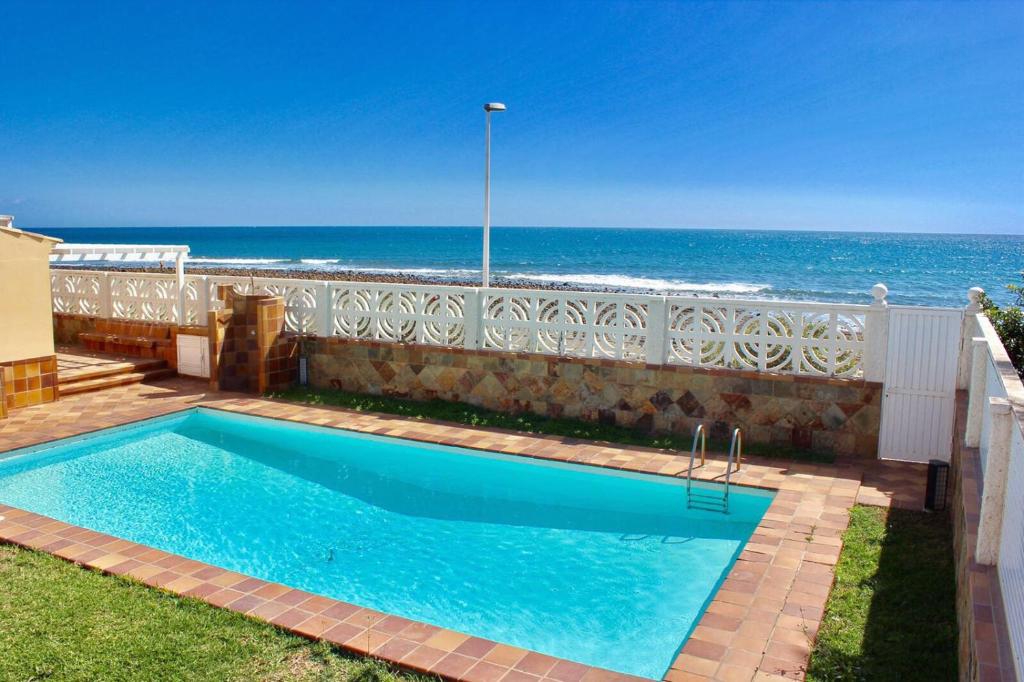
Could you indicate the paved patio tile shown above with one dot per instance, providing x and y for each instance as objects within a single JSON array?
[{"x": 751, "y": 629}]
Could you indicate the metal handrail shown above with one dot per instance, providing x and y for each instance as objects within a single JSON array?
[
  {"x": 697, "y": 433},
  {"x": 735, "y": 449},
  {"x": 737, "y": 436},
  {"x": 701, "y": 433}
]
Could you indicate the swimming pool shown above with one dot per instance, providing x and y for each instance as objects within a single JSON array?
[{"x": 605, "y": 568}]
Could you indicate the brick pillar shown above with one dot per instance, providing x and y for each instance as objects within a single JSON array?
[{"x": 249, "y": 348}]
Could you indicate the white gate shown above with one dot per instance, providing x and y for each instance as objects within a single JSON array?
[{"x": 920, "y": 383}]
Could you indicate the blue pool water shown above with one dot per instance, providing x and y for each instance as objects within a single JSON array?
[{"x": 606, "y": 569}]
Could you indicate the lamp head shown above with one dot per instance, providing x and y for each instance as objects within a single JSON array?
[{"x": 494, "y": 106}]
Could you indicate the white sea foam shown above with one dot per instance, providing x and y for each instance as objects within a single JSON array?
[
  {"x": 436, "y": 272},
  {"x": 628, "y": 282},
  {"x": 610, "y": 281},
  {"x": 237, "y": 261}
]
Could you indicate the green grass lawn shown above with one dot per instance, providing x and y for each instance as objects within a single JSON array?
[
  {"x": 891, "y": 614},
  {"x": 470, "y": 415},
  {"x": 62, "y": 622}
]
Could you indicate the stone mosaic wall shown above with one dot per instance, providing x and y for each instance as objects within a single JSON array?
[
  {"x": 67, "y": 326},
  {"x": 984, "y": 649},
  {"x": 829, "y": 415},
  {"x": 965, "y": 503}
]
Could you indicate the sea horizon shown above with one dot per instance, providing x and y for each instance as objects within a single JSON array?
[
  {"x": 808, "y": 230},
  {"x": 833, "y": 266}
]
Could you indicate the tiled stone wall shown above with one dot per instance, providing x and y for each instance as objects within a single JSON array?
[
  {"x": 984, "y": 647},
  {"x": 964, "y": 482},
  {"x": 69, "y": 328},
  {"x": 27, "y": 382},
  {"x": 250, "y": 350},
  {"x": 136, "y": 339},
  {"x": 830, "y": 415}
]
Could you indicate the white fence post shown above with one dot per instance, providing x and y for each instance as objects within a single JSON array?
[
  {"x": 657, "y": 331},
  {"x": 472, "y": 313},
  {"x": 876, "y": 332},
  {"x": 963, "y": 376},
  {"x": 324, "y": 309},
  {"x": 179, "y": 284},
  {"x": 394, "y": 316},
  {"x": 976, "y": 401},
  {"x": 202, "y": 301},
  {"x": 106, "y": 307},
  {"x": 993, "y": 494}
]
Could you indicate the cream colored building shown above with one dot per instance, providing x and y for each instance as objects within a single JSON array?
[{"x": 26, "y": 317}]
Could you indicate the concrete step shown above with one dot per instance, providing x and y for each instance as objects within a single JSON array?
[
  {"x": 123, "y": 378},
  {"x": 110, "y": 369}
]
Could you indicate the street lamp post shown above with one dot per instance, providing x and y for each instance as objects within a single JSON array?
[{"x": 488, "y": 108}]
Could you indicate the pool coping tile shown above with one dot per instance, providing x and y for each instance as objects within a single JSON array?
[{"x": 760, "y": 624}]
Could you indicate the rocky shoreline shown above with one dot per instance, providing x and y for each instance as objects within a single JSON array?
[{"x": 383, "y": 278}]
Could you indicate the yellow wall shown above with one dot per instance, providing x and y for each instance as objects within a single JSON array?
[{"x": 26, "y": 316}]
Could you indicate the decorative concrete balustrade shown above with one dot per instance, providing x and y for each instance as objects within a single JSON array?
[
  {"x": 814, "y": 339},
  {"x": 995, "y": 426}
]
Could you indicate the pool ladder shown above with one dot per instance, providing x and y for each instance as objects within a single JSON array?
[{"x": 704, "y": 499}]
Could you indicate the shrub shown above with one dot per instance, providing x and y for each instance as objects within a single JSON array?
[{"x": 1009, "y": 324}]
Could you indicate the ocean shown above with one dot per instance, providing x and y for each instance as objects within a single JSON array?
[{"x": 919, "y": 269}]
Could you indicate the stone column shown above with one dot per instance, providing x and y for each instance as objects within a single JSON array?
[
  {"x": 993, "y": 492},
  {"x": 976, "y": 402},
  {"x": 968, "y": 330}
]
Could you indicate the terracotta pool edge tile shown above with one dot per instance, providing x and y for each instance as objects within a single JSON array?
[
  {"x": 807, "y": 496},
  {"x": 309, "y": 625},
  {"x": 99, "y": 427}
]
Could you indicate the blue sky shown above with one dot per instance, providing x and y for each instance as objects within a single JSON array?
[{"x": 885, "y": 116}]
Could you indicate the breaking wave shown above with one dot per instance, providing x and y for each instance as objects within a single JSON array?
[
  {"x": 628, "y": 282},
  {"x": 237, "y": 261}
]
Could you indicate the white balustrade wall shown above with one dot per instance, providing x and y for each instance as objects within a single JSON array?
[
  {"x": 820, "y": 339},
  {"x": 1011, "y": 553},
  {"x": 995, "y": 392}
]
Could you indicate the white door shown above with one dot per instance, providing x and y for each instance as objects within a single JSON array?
[
  {"x": 193, "y": 356},
  {"x": 920, "y": 383}
]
